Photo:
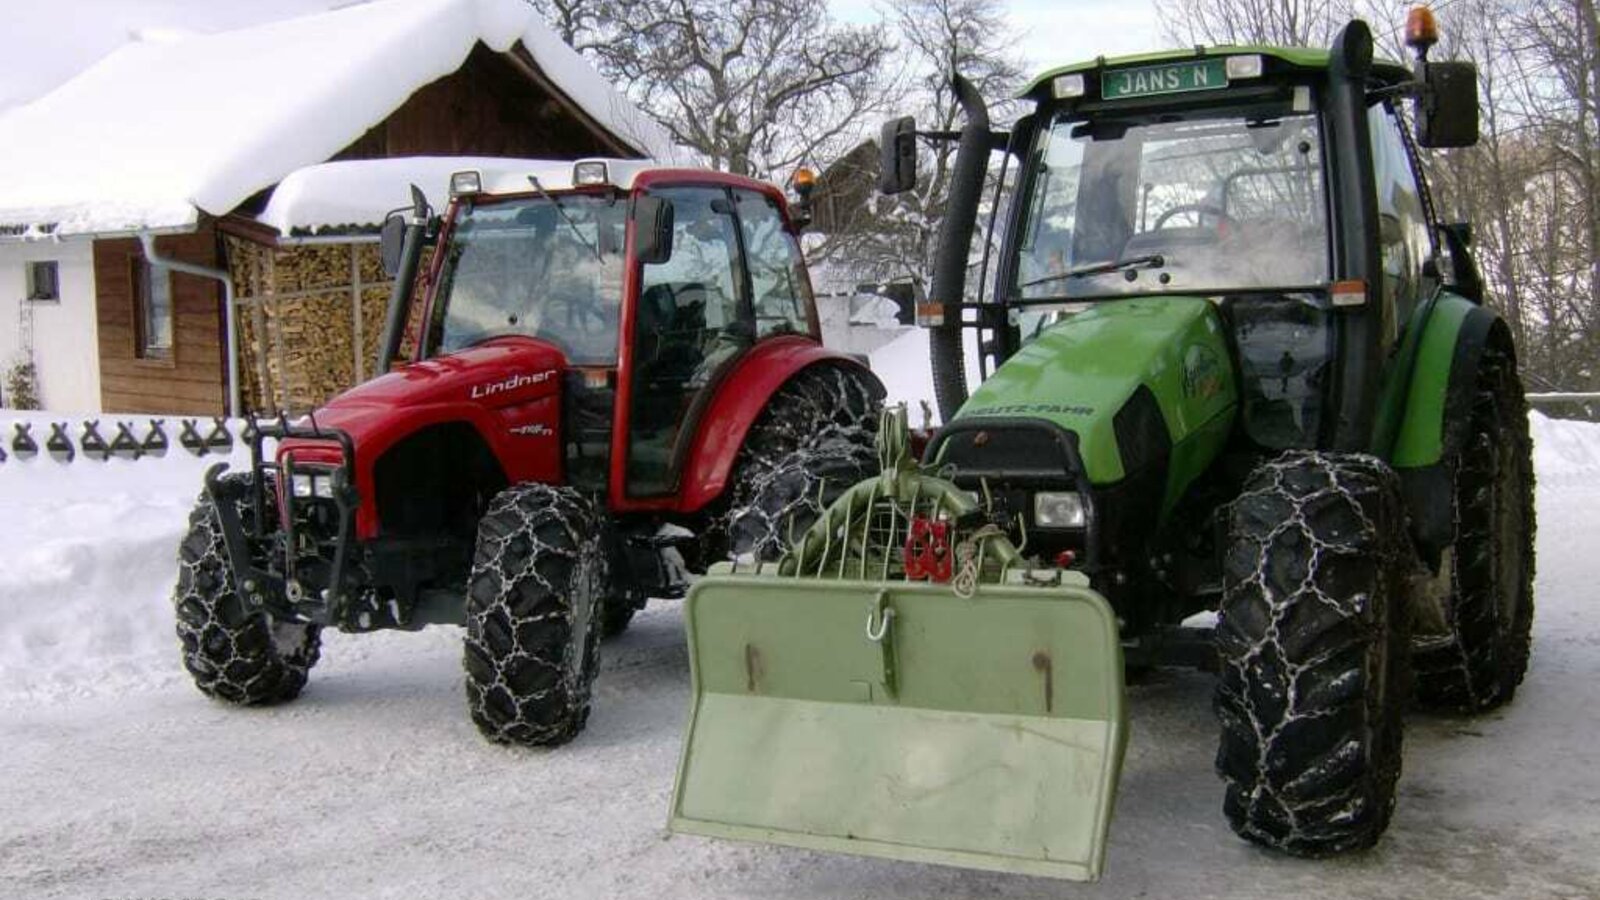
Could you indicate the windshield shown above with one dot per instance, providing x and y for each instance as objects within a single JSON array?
[
  {"x": 550, "y": 269},
  {"x": 1212, "y": 202}
]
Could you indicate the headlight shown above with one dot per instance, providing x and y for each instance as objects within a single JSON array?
[
  {"x": 310, "y": 484},
  {"x": 1058, "y": 510}
]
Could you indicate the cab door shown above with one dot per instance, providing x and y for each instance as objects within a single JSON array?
[
  {"x": 735, "y": 276},
  {"x": 692, "y": 319}
]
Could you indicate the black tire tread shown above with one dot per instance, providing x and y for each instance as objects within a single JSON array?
[
  {"x": 234, "y": 653},
  {"x": 531, "y": 649},
  {"x": 821, "y": 426},
  {"x": 1481, "y": 661},
  {"x": 1312, "y": 624}
]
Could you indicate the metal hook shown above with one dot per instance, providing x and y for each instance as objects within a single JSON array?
[{"x": 878, "y": 623}]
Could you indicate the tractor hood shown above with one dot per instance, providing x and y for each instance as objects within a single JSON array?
[
  {"x": 497, "y": 384},
  {"x": 1081, "y": 372}
]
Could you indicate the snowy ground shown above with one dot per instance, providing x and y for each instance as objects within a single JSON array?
[{"x": 122, "y": 781}]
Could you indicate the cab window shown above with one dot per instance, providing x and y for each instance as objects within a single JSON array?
[
  {"x": 1405, "y": 242},
  {"x": 780, "y": 292}
]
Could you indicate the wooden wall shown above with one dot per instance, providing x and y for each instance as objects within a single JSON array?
[
  {"x": 193, "y": 379},
  {"x": 491, "y": 106}
]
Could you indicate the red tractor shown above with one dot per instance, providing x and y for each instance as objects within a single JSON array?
[{"x": 616, "y": 380}]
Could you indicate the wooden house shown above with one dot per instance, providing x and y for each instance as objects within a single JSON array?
[{"x": 181, "y": 144}]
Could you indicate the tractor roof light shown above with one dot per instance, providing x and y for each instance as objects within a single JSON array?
[
  {"x": 465, "y": 184},
  {"x": 1065, "y": 87},
  {"x": 1238, "y": 67},
  {"x": 589, "y": 173},
  {"x": 804, "y": 180},
  {"x": 1422, "y": 30}
]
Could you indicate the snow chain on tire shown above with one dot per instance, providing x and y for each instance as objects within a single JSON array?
[
  {"x": 1478, "y": 664},
  {"x": 234, "y": 652},
  {"x": 816, "y": 437},
  {"x": 1312, "y": 641},
  {"x": 532, "y": 645}
]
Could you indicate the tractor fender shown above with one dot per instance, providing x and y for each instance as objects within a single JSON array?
[
  {"x": 739, "y": 401},
  {"x": 1442, "y": 382}
]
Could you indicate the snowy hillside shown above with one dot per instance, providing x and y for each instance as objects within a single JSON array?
[{"x": 124, "y": 781}]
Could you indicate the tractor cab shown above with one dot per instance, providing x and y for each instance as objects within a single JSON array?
[{"x": 651, "y": 284}]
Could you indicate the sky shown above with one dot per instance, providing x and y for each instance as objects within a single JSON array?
[
  {"x": 41, "y": 53},
  {"x": 1056, "y": 32}
]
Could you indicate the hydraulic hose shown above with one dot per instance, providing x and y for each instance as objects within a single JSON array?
[{"x": 948, "y": 289}]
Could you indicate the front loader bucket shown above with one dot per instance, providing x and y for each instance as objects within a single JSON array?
[{"x": 899, "y": 719}]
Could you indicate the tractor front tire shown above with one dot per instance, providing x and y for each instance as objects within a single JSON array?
[
  {"x": 533, "y": 616},
  {"x": 234, "y": 652},
  {"x": 816, "y": 438},
  {"x": 1479, "y": 661},
  {"x": 1312, "y": 641}
]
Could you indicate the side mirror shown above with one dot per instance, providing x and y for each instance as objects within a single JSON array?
[
  {"x": 1447, "y": 110},
  {"x": 390, "y": 242},
  {"x": 652, "y": 229},
  {"x": 392, "y": 238},
  {"x": 897, "y": 166}
]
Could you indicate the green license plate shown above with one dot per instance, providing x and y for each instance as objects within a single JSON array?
[{"x": 1173, "y": 78}]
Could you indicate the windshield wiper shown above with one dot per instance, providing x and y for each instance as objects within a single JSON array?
[
  {"x": 1152, "y": 261},
  {"x": 561, "y": 210}
]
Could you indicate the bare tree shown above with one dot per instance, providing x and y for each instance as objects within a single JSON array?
[
  {"x": 893, "y": 239},
  {"x": 1291, "y": 23},
  {"x": 755, "y": 86}
]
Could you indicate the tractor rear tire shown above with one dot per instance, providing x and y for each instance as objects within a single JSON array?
[
  {"x": 616, "y": 613},
  {"x": 533, "y": 616},
  {"x": 817, "y": 436},
  {"x": 1479, "y": 662},
  {"x": 1312, "y": 641},
  {"x": 234, "y": 652}
]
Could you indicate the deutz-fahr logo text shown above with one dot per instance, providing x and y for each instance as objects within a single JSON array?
[
  {"x": 480, "y": 391},
  {"x": 534, "y": 430}
]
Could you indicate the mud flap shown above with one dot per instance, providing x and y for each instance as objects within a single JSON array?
[{"x": 900, "y": 720}]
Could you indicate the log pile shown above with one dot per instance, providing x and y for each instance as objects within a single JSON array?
[{"x": 302, "y": 337}]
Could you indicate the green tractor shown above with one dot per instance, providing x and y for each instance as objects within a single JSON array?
[{"x": 1242, "y": 408}]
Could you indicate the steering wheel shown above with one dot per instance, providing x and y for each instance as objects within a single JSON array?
[{"x": 1203, "y": 209}]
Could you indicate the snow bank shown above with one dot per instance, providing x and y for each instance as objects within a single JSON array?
[
  {"x": 902, "y": 365},
  {"x": 158, "y": 130},
  {"x": 88, "y": 550},
  {"x": 1565, "y": 451},
  {"x": 88, "y": 557},
  {"x": 905, "y": 366}
]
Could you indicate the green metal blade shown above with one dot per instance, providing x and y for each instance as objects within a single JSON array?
[{"x": 985, "y": 732}]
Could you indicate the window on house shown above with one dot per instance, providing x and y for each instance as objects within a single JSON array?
[
  {"x": 152, "y": 310},
  {"x": 44, "y": 281}
]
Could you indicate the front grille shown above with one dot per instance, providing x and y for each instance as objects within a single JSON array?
[{"x": 1005, "y": 451}]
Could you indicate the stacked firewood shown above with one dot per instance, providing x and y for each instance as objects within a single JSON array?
[{"x": 300, "y": 332}]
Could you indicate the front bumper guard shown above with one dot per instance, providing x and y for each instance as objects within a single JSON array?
[{"x": 267, "y": 569}]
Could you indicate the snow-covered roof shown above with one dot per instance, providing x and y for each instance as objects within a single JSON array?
[
  {"x": 159, "y": 131},
  {"x": 46, "y": 44},
  {"x": 357, "y": 193}
]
